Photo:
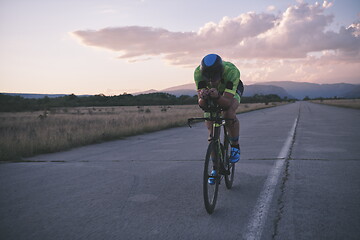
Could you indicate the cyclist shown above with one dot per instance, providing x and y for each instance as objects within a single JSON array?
[{"x": 220, "y": 81}]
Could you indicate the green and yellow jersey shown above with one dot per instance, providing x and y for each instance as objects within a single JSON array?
[{"x": 229, "y": 81}]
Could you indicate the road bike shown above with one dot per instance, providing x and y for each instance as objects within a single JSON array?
[{"x": 217, "y": 156}]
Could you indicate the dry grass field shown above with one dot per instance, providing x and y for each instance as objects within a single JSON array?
[
  {"x": 25, "y": 134},
  {"x": 349, "y": 103}
]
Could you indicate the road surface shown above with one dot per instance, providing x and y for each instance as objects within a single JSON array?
[{"x": 299, "y": 178}]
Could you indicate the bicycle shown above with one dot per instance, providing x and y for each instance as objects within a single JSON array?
[{"x": 217, "y": 156}]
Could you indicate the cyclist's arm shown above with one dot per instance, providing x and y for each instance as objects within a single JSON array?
[
  {"x": 225, "y": 100},
  {"x": 201, "y": 101},
  {"x": 201, "y": 86},
  {"x": 232, "y": 76}
]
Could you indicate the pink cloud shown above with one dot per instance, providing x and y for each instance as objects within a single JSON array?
[
  {"x": 176, "y": 47},
  {"x": 294, "y": 34}
]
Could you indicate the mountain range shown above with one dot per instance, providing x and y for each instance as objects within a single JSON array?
[
  {"x": 289, "y": 89},
  {"x": 39, "y": 95}
]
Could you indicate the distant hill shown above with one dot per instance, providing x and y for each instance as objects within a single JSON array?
[
  {"x": 251, "y": 90},
  {"x": 354, "y": 93},
  {"x": 147, "y": 92},
  {"x": 313, "y": 90},
  {"x": 283, "y": 89},
  {"x": 34, "y": 95},
  {"x": 38, "y": 96},
  {"x": 185, "y": 89},
  {"x": 189, "y": 86},
  {"x": 288, "y": 89}
]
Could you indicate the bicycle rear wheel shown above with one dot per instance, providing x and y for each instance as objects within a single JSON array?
[
  {"x": 230, "y": 167},
  {"x": 210, "y": 192}
]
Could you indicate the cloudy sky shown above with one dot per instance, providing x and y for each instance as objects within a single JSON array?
[{"x": 111, "y": 47}]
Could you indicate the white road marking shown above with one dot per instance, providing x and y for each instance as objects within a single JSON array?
[{"x": 258, "y": 216}]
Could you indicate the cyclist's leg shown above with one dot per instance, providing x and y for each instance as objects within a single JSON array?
[
  {"x": 209, "y": 125},
  {"x": 233, "y": 128}
]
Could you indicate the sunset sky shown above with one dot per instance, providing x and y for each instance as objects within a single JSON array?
[{"x": 112, "y": 47}]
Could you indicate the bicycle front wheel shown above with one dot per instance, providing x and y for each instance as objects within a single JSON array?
[
  {"x": 230, "y": 167},
  {"x": 210, "y": 189}
]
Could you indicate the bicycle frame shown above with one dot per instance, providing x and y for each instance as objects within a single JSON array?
[
  {"x": 215, "y": 133},
  {"x": 213, "y": 114}
]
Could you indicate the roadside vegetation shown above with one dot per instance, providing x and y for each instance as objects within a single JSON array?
[
  {"x": 19, "y": 104},
  {"x": 29, "y": 133},
  {"x": 348, "y": 103}
]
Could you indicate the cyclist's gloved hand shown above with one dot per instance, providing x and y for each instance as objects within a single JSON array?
[
  {"x": 204, "y": 93},
  {"x": 213, "y": 93}
]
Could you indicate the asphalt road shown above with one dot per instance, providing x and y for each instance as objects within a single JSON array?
[{"x": 299, "y": 178}]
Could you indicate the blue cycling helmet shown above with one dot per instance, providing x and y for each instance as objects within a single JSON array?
[{"x": 211, "y": 67}]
